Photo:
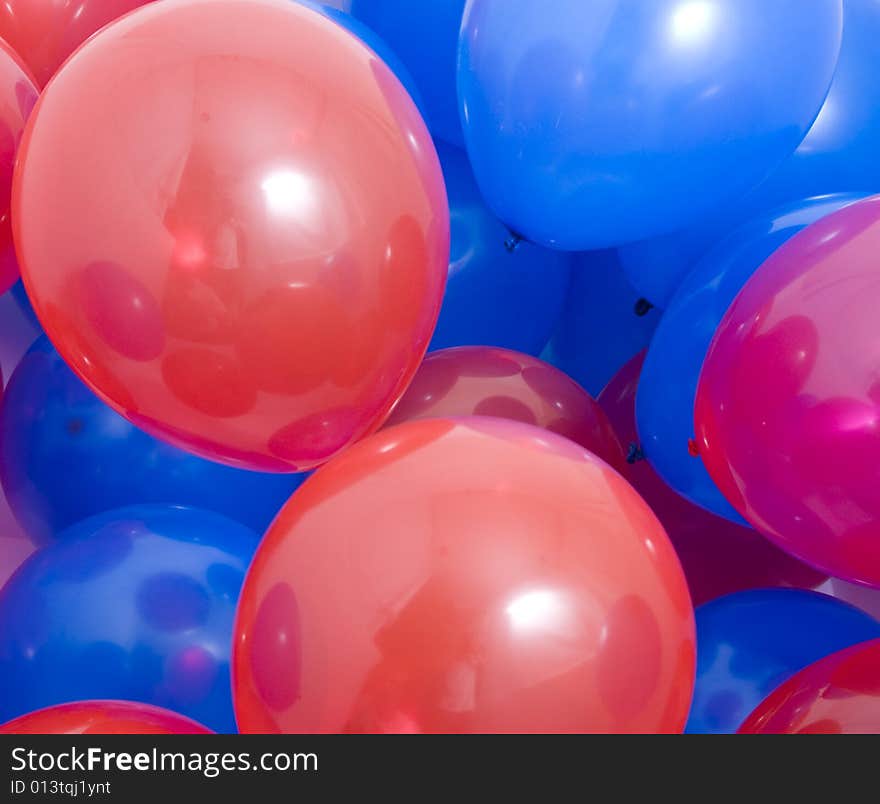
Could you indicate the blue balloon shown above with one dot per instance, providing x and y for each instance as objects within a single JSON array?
[
  {"x": 135, "y": 604},
  {"x": 668, "y": 383},
  {"x": 603, "y": 324},
  {"x": 594, "y": 124},
  {"x": 839, "y": 154},
  {"x": 24, "y": 304},
  {"x": 65, "y": 455},
  {"x": 748, "y": 643},
  {"x": 376, "y": 43},
  {"x": 499, "y": 293},
  {"x": 424, "y": 34}
]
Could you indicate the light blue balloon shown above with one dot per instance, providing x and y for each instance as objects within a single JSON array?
[
  {"x": 603, "y": 324},
  {"x": 839, "y": 154},
  {"x": 424, "y": 35},
  {"x": 497, "y": 293},
  {"x": 593, "y": 124},
  {"x": 668, "y": 384}
]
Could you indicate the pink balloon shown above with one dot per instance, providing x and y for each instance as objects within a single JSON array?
[
  {"x": 718, "y": 556},
  {"x": 787, "y": 412},
  {"x": 488, "y": 381}
]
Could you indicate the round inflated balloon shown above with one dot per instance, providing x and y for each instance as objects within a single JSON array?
[
  {"x": 484, "y": 381},
  {"x": 604, "y": 322},
  {"x": 464, "y": 575},
  {"x": 424, "y": 35},
  {"x": 65, "y": 455},
  {"x": 668, "y": 385},
  {"x": 18, "y": 94},
  {"x": 838, "y": 154},
  {"x": 499, "y": 292},
  {"x": 379, "y": 46},
  {"x": 247, "y": 257},
  {"x": 750, "y": 642},
  {"x": 595, "y": 124},
  {"x": 839, "y": 694},
  {"x": 789, "y": 396},
  {"x": 102, "y": 717},
  {"x": 718, "y": 556},
  {"x": 134, "y": 604},
  {"x": 45, "y": 32}
]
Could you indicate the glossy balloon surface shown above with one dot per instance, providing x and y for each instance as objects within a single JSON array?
[
  {"x": 788, "y": 398},
  {"x": 665, "y": 401},
  {"x": 497, "y": 293},
  {"x": 838, "y": 695},
  {"x": 471, "y": 575},
  {"x": 424, "y": 35},
  {"x": 749, "y": 643},
  {"x": 837, "y": 155},
  {"x": 102, "y": 717},
  {"x": 134, "y": 604},
  {"x": 718, "y": 556},
  {"x": 18, "y": 94},
  {"x": 594, "y": 124},
  {"x": 65, "y": 455},
  {"x": 247, "y": 256},
  {"x": 483, "y": 381}
]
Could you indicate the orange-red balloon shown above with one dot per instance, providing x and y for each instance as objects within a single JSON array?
[
  {"x": 464, "y": 575},
  {"x": 839, "y": 694},
  {"x": 232, "y": 223},
  {"x": 45, "y": 32},
  {"x": 18, "y": 94},
  {"x": 487, "y": 381},
  {"x": 103, "y": 717}
]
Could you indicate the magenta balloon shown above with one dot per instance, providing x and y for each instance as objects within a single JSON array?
[{"x": 787, "y": 411}]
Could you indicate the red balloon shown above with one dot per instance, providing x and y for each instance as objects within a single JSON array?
[
  {"x": 839, "y": 694},
  {"x": 487, "y": 381},
  {"x": 464, "y": 575},
  {"x": 103, "y": 717},
  {"x": 18, "y": 94},
  {"x": 788, "y": 405},
  {"x": 232, "y": 223},
  {"x": 718, "y": 556},
  {"x": 45, "y": 32}
]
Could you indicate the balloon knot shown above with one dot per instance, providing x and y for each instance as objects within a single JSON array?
[
  {"x": 642, "y": 307},
  {"x": 512, "y": 242},
  {"x": 634, "y": 454},
  {"x": 693, "y": 448}
]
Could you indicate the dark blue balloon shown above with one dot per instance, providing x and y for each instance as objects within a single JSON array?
[
  {"x": 668, "y": 383},
  {"x": 424, "y": 34},
  {"x": 603, "y": 324},
  {"x": 376, "y": 43},
  {"x": 24, "y": 303},
  {"x": 65, "y": 455},
  {"x": 839, "y": 154},
  {"x": 496, "y": 294},
  {"x": 134, "y": 604},
  {"x": 593, "y": 124},
  {"x": 750, "y": 642}
]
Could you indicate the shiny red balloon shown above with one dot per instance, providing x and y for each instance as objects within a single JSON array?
[
  {"x": 487, "y": 381},
  {"x": 18, "y": 94},
  {"x": 464, "y": 575},
  {"x": 787, "y": 412},
  {"x": 718, "y": 556},
  {"x": 839, "y": 694},
  {"x": 232, "y": 223},
  {"x": 103, "y": 717},
  {"x": 45, "y": 32}
]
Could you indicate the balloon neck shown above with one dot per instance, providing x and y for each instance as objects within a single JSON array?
[
  {"x": 634, "y": 454},
  {"x": 693, "y": 448},
  {"x": 512, "y": 242},
  {"x": 642, "y": 307}
]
